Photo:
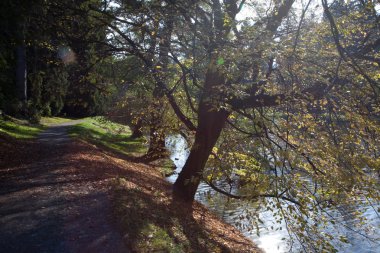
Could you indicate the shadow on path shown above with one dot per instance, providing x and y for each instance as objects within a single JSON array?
[{"x": 55, "y": 203}]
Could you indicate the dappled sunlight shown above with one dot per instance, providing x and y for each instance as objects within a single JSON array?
[{"x": 265, "y": 112}]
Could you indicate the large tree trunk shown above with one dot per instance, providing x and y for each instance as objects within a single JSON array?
[
  {"x": 211, "y": 120},
  {"x": 21, "y": 72}
]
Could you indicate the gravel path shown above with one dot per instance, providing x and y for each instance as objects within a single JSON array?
[{"x": 57, "y": 202}]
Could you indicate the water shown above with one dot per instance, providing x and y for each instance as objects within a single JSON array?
[{"x": 240, "y": 214}]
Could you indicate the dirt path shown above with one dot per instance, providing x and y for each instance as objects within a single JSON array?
[{"x": 52, "y": 199}]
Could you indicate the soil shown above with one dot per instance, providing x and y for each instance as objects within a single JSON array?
[{"x": 56, "y": 196}]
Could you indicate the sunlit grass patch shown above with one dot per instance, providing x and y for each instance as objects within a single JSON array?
[
  {"x": 48, "y": 121},
  {"x": 111, "y": 135},
  {"x": 20, "y": 129}
]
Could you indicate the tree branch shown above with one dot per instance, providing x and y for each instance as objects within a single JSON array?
[
  {"x": 255, "y": 101},
  {"x": 233, "y": 196}
]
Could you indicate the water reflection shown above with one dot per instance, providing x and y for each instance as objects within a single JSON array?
[{"x": 272, "y": 239}]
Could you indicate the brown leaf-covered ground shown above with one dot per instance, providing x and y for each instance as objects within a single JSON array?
[{"x": 64, "y": 195}]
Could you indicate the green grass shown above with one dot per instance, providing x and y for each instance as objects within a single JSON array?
[
  {"x": 111, "y": 135},
  {"x": 49, "y": 121},
  {"x": 20, "y": 129}
]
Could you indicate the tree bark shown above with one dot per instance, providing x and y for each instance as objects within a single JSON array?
[
  {"x": 136, "y": 130},
  {"x": 211, "y": 120},
  {"x": 21, "y": 72}
]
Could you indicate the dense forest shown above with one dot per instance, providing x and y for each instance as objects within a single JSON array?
[{"x": 278, "y": 100}]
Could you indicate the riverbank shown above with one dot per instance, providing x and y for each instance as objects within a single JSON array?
[
  {"x": 142, "y": 202},
  {"x": 153, "y": 223},
  {"x": 81, "y": 175}
]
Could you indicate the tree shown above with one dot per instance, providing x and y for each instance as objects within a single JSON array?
[
  {"x": 241, "y": 70},
  {"x": 15, "y": 29},
  {"x": 132, "y": 105},
  {"x": 218, "y": 100},
  {"x": 76, "y": 24},
  {"x": 298, "y": 111},
  {"x": 151, "y": 24},
  {"x": 30, "y": 60},
  {"x": 284, "y": 99},
  {"x": 50, "y": 45}
]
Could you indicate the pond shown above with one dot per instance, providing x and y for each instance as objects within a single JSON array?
[{"x": 238, "y": 213}]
